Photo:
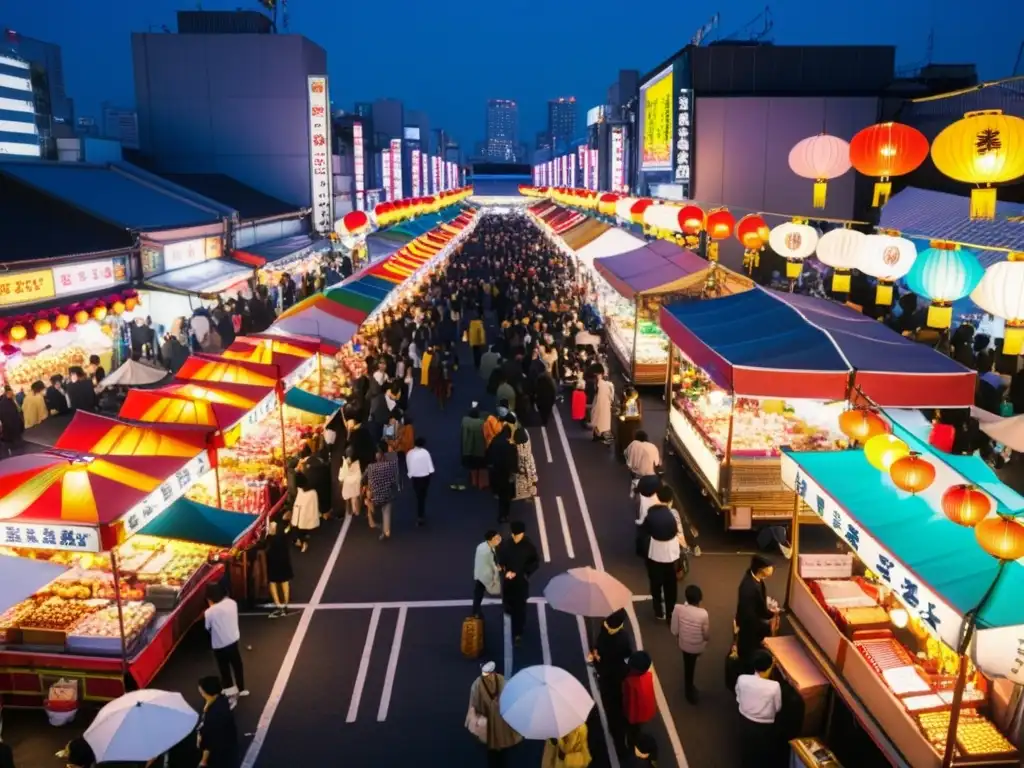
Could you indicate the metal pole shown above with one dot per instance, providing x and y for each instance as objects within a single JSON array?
[
  {"x": 116, "y": 572},
  {"x": 794, "y": 541}
]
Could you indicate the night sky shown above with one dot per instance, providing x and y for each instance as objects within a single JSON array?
[{"x": 449, "y": 58}]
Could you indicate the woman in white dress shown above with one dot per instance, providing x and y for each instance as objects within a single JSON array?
[
  {"x": 350, "y": 478},
  {"x": 305, "y": 514},
  {"x": 601, "y": 409}
]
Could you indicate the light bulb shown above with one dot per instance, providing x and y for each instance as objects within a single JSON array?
[{"x": 899, "y": 617}]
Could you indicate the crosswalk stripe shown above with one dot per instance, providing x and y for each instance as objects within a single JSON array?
[
  {"x": 542, "y": 529},
  {"x": 364, "y": 667}
]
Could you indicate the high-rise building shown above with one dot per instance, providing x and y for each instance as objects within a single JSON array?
[
  {"x": 562, "y": 120},
  {"x": 502, "y": 131},
  {"x": 18, "y": 132},
  {"x": 54, "y": 115},
  {"x": 120, "y": 124}
]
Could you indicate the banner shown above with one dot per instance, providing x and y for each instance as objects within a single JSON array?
[
  {"x": 396, "y": 169},
  {"x": 26, "y": 287},
  {"x": 414, "y": 166},
  {"x": 321, "y": 173},
  {"x": 425, "y": 172},
  {"x": 618, "y": 160},
  {"x": 386, "y": 177},
  {"x": 656, "y": 98},
  {"x": 359, "y": 165},
  {"x": 436, "y": 173},
  {"x": 593, "y": 170}
]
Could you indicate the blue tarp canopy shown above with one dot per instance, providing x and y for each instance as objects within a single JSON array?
[
  {"x": 187, "y": 520},
  {"x": 211, "y": 276},
  {"x": 307, "y": 401},
  {"x": 379, "y": 247},
  {"x": 284, "y": 248}
]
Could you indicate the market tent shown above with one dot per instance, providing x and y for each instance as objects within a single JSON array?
[
  {"x": 310, "y": 403},
  {"x": 610, "y": 243},
  {"x": 334, "y": 315},
  {"x": 22, "y": 577},
  {"x": 133, "y": 374},
  {"x": 652, "y": 268},
  {"x": 555, "y": 213},
  {"x": 202, "y": 367},
  {"x": 207, "y": 278},
  {"x": 380, "y": 245},
  {"x": 539, "y": 209},
  {"x": 282, "y": 250},
  {"x": 940, "y": 555},
  {"x": 574, "y": 219},
  {"x": 162, "y": 407},
  {"x": 93, "y": 434},
  {"x": 245, "y": 396},
  {"x": 187, "y": 520},
  {"x": 296, "y": 346},
  {"x": 712, "y": 282},
  {"x": 289, "y": 340},
  {"x": 764, "y": 343},
  {"x": 265, "y": 355},
  {"x": 585, "y": 232}
]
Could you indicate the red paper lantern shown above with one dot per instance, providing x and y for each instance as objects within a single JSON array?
[
  {"x": 912, "y": 473},
  {"x": 691, "y": 219},
  {"x": 752, "y": 231},
  {"x": 720, "y": 224},
  {"x": 965, "y": 505},
  {"x": 860, "y": 424},
  {"x": 1002, "y": 537},
  {"x": 886, "y": 150},
  {"x": 355, "y": 221}
]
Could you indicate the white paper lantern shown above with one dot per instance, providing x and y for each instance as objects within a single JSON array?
[
  {"x": 623, "y": 208},
  {"x": 1001, "y": 293},
  {"x": 794, "y": 242},
  {"x": 820, "y": 158},
  {"x": 886, "y": 258},
  {"x": 664, "y": 218},
  {"x": 841, "y": 249}
]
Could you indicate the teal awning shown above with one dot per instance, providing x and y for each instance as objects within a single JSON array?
[
  {"x": 307, "y": 401},
  {"x": 187, "y": 520}
]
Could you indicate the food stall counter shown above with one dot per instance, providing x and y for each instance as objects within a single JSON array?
[{"x": 803, "y": 675}]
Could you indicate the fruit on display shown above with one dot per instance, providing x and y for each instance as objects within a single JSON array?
[
  {"x": 59, "y": 614},
  {"x": 105, "y": 623}
]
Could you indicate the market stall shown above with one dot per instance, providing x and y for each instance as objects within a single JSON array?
[
  {"x": 759, "y": 370},
  {"x": 126, "y": 599},
  {"x": 296, "y": 256},
  {"x": 583, "y": 233},
  {"x": 917, "y": 621}
]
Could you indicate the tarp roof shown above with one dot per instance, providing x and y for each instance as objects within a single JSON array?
[
  {"x": 379, "y": 247},
  {"x": 653, "y": 268},
  {"x": 248, "y": 201},
  {"x": 187, "y": 520},
  {"x": 311, "y": 403},
  {"x": 587, "y": 231},
  {"x": 101, "y": 435},
  {"x": 769, "y": 344},
  {"x": 613, "y": 241},
  {"x": 573, "y": 220},
  {"x": 281, "y": 249},
  {"x": 22, "y": 577},
  {"x": 162, "y": 407},
  {"x": 116, "y": 194},
  {"x": 213, "y": 368},
  {"x": 207, "y": 277}
]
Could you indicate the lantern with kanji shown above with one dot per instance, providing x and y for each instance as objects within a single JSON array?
[
  {"x": 944, "y": 274},
  {"x": 965, "y": 505},
  {"x": 821, "y": 158},
  {"x": 752, "y": 232},
  {"x": 719, "y": 225},
  {"x": 794, "y": 241},
  {"x": 911, "y": 473},
  {"x": 841, "y": 249},
  {"x": 1001, "y": 293},
  {"x": 885, "y": 150},
  {"x": 984, "y": 148},
  {"x": 882, "y": 451},
  {"x": 861, "y": 424},
  {"x": 887, "y": 258}
]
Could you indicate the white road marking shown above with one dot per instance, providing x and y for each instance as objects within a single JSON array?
[
  {"x": 595, "y": 692},
  {"x": 547, "y": 445},
  {"x": 542, "y": 529},
  {"x": 565, "y": 528},
  {"x": 364, "y": 666},
  {"x": 588, "y": 525},
  {"x": 389, "y": 677},
  {"x": 542, "y": 624},
  {"x": 292, "y": 654},
  {"x": 461, "y": 603},
  {"x": 508, "y": 646}
]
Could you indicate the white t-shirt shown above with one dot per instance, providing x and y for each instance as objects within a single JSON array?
[
  {"x": 418, "y": 462},
  {"x": 222, "y": 623},
  {"x": 760, "y": 699}
]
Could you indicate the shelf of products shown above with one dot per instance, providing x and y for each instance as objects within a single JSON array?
[{"x": 619, "y": 315}]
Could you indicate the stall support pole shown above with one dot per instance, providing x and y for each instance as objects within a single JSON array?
[
  {"x": 319, "y": 373},
  {"x": 667, "y": 392},
  {"x": 284, "y": 445},
  {"x": 636, "y": 338},
  {"x": 115, "y": 570},
  {"x": 726, "y": 491},
  {"x": 216, "y": 480},
  {"x": 794, "y": 541}
]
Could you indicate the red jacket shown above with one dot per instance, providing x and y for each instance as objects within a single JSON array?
[
  {"x": 638, "y": 704},
  {"x": 579, "y": 404}
]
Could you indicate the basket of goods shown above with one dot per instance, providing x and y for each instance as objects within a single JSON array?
[{"x": 62, "y": 702}]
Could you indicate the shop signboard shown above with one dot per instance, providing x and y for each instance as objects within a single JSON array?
[
  {"x": 425, "y": 173},
  {"x": 684, "y": 129},
  {"x": 396, "y": 169},
  {"x": 551, "y": 173},
  {"x": 656, "y": 134},
  {"x": 359, "y": 165},
  {"x": 89, "y": 276},
  {"x": 583, "y": 158},
  {"x": 26, "y": 287},
  {"x": 68, "y": 538},
  {"x": 536, "y": 175},
  {"x": 571, "y": 159},
  {"x": 414, "y": 168},
  {"x": 618, "y": 160},
  {"x": 596, "y": 115},
  {"x": 320, "y": 171},
  {"x": 185, "y": 254},
  {"x": 385, "y": 173},
  {"x": 156, "y": 503},
  {"x": 593, "y": 169},
  {"x": 436, "y": 173},
  {"x": 304, "y": 370}
]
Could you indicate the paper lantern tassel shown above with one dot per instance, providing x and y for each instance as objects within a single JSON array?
[
  {"x": 1013, "y": 341},
  {"x": 712, "y": 251},
  {"x": 882, "y": 191},
  {"x": 820, "y": 189},
  {"x": 794, "y": 269},
  {"x": 883, "y": 294},
  {"x": 940, "y": 315},
  {"x": 841, "y": 281},
  {"x": 983, "y": 203}
]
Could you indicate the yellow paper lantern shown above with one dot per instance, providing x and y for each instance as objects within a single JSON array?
[
  {"x": 81, "y": 316},
  {"x": 882, "y": 450},
  {"x": 18, "y": 333},
  {"x": 62, "y": 321},
  {"x": 99, "y": 312},
  {"x": 118, "y": 307},
  {"x": 131, "y": 303},
  {"x": 984, "y": 148},
  {"x": 42, "y": 326}
]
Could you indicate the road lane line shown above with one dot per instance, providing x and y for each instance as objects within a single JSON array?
[
  {"x": 542, "y": 624},
  {"x": 292, "y": 654},
  {"x": 508, "y": 646},
  {"x": 613, "y": 756},
  {"x": 547, "y": 445},
  {"x": 364, "y": 667},
  {"x": 389, "y": 677},
  {"x": 565, "y": 527},
  {"x": 396, "y": 604},
  {"x": 542, "y": 529},
  {"x": 588, "y": 525}
]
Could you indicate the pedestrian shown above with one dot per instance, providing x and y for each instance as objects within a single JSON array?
[
  {"x": 477, "y": 337},
  {"x": 755, "y": 620},
  {"x": 638, "y": 704},
  {"x": 642, "y": 457},
  {"x": 601, "y": 409},
  {"x": 486, "y": 573},
  {"x": 627, "y": 425},
  {"x": 517, "y": 557},
  {"x": 12, "y": 426},
  {"x": 484, "y": 720},
  {"x": 569, "y": 751},
  {"x": 544, "y": 397},
  {"x": 221, "y": 620},
  {"x": 609, "y": 656},
  {"x": 350, "y": 478},
  {"x": 279, "y": 567},
  {"x": 78, "y": 753},
  {"x": 382, "y": 484},
  {"x": 526, "y": 467},
  {"x": 473, "y": 449},
  {"x": 218, "y": 734},
  {"x": 644, "y": 753},
  {"x": 34, "y": 410},
  {"x": 495, "y": 422},
  {"x": 81, "y": 391},
  {"x": 759, "y": 699},
  {"x": 505, "y": 393},
  {"x": 489, "y": 362},
  {"x": 420, "y": 467},
  {"x": 691, "y": 625},
  {"x": 503, "y": 463},
  {"x": 578, "y": 402},
  {"x": 305, "y": 512},
  {"x": 56, "y": 397},
  {"x": 661, "y": 559}
]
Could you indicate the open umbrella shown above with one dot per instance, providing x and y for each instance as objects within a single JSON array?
[
  {"x": 140, "y": 725},
  {"x": 133, "y": 374},
  {"x": 661, "y": 523},
  {"x": 544, "y": 702},
  {"x": 587, "y": 592},
  {"x": 648, "y": 485}
]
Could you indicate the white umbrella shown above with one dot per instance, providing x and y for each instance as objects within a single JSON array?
[
  {"x": 544, "y": 702},
  {"x": 21, "y": 577},
  {"x": 133, "y": 374},
  {"x": 140, "y": 725},
  {"x": 587, "y": 592}
]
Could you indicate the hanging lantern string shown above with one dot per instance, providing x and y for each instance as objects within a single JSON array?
[{"x": 1018, "y": 79}]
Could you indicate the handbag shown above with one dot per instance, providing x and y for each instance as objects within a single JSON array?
[{"x": 476, "y": 724}]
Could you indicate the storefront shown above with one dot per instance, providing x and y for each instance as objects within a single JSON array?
[
  {"x": 296, "y": 256},
  {"x": 753, "y": 372},
  {"x": 916, "y": 622},
  {"x": 57, "y": 314}
]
